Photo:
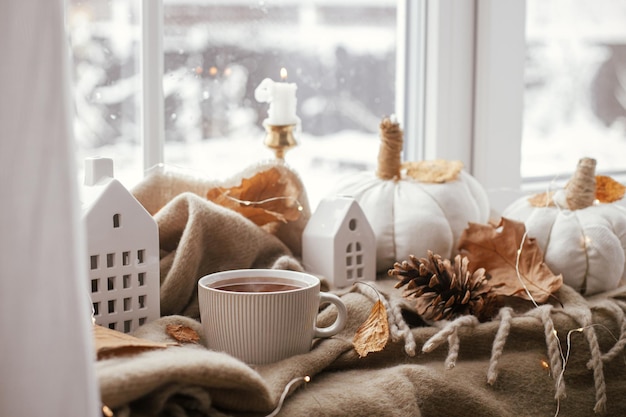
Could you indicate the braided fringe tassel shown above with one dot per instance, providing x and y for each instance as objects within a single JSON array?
[
  {"x": 617, "y": 309},
  {"x": 554, "y": 350},
  {"x": 595, "y": 363},
  {"x": 398, "y": 328},
  {"x": 498, "y": 344},
  {"x": 450, "y": 333}
]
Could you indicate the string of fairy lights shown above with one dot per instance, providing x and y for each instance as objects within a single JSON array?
[
  {"x": 286, "y": 390},
  {"x": 248, "y": 203}
]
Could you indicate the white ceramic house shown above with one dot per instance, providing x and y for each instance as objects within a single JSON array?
[
  {"x": 339, "y": 243},
  {"x": 123, "y": 251}
]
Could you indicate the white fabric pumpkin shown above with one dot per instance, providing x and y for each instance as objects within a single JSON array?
[
  {"x": 587, "y": 244},
  {"x": 410, "y": 217}
]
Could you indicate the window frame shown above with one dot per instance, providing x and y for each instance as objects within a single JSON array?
[
  {"x": 151, "y": 70},
  {"x": 499, "y": 97},
  {"x": 448, "y": 92},
  {"x": 474, "y": 86}
]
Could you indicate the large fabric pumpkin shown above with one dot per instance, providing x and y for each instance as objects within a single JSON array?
[
  {"x": 581, "y": 231},
  {"x": 414, "y": 207}
]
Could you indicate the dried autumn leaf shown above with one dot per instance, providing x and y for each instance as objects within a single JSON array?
[
  {"x": 435, "y": 171},
  {"x": 542, "y": 199},
  {"x": 183, "y": 334},
  {"x": 497, "y": 251},
  {"x": 264, "y": 198},
  {"x": 110, "y": 343},
  {"x": 373, "y": 334},
  {"x": 608, "y": 190}
]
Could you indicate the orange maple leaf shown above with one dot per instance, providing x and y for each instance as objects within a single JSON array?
[
  {"x": 265, "y": 197},
  {"x": 373, "y": 334},
  {"x": 608, "y": 190},
  {"x": 496, "y": 249}
]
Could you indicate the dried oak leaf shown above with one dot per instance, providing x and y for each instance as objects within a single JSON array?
[
  {"x": 435, "y": 171},
  {"x": 496, "y": 250},
  {"x": 182, "y": 334},
  {"x": 608, "y": 190},
  {"x": 373, "y": 334},
  {"x": 265, "y": 197}
]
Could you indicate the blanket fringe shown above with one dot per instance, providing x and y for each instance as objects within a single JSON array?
[
  {"x": 555, "y": 354},
  {"x": 398, "y": 328},
  {"x": 582, "y": 315},
  {"x": 497, "y": 349},
  {"x": 583, "y": 318},
  {"x": 617, "y": 309},
  {"x": 450, "y": 333}
]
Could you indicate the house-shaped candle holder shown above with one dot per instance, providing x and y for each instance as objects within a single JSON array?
[
  {"x": 123, "y": 251},
  {"x": 339, "y": 243}
]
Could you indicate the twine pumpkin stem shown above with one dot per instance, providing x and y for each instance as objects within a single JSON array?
[
  {"x": 389, "y": 154},
  {"x": 581, "y": 190}
]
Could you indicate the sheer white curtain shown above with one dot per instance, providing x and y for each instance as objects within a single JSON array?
[{"x": 46, "y": 346}]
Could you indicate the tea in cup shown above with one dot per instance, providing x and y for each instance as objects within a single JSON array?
[{"x": 264, "y": 315}]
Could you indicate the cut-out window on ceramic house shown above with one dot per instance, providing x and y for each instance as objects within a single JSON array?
[
  {"x": 354, "y": 254},
  {"x": 93, "y": 259}
]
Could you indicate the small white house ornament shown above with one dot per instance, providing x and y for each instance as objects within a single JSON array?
[
  {"x": 339, "y": 243},
  {"x": 123, "y": 251}
]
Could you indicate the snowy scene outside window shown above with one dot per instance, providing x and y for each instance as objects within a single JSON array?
[
  {"x": 342, "y": 56},
  {"x": 575, "y": 95}
]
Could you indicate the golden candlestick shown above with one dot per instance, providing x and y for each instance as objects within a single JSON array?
[{"x": 280, "y": 139}]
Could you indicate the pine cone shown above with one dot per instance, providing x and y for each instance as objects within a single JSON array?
[{"x": 443, "y": 290}]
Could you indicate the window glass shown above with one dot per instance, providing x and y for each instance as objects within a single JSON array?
[
  {"x": 575, "y": 96},
  {"x": 340, "y": 55},
  {"x": 103, "y": 36}
]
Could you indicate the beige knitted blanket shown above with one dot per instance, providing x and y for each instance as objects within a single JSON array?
[
  {"x": 198, "y": 237},
  {"x": 555, "y": 360}
]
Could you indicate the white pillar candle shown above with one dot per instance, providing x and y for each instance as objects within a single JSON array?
[{"x": 282, "y": 99}]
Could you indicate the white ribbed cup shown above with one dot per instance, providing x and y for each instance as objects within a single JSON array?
[{"x": 264, "y": 327}]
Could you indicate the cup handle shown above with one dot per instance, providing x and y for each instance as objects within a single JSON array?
[{"x": 342, "y": 316}]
